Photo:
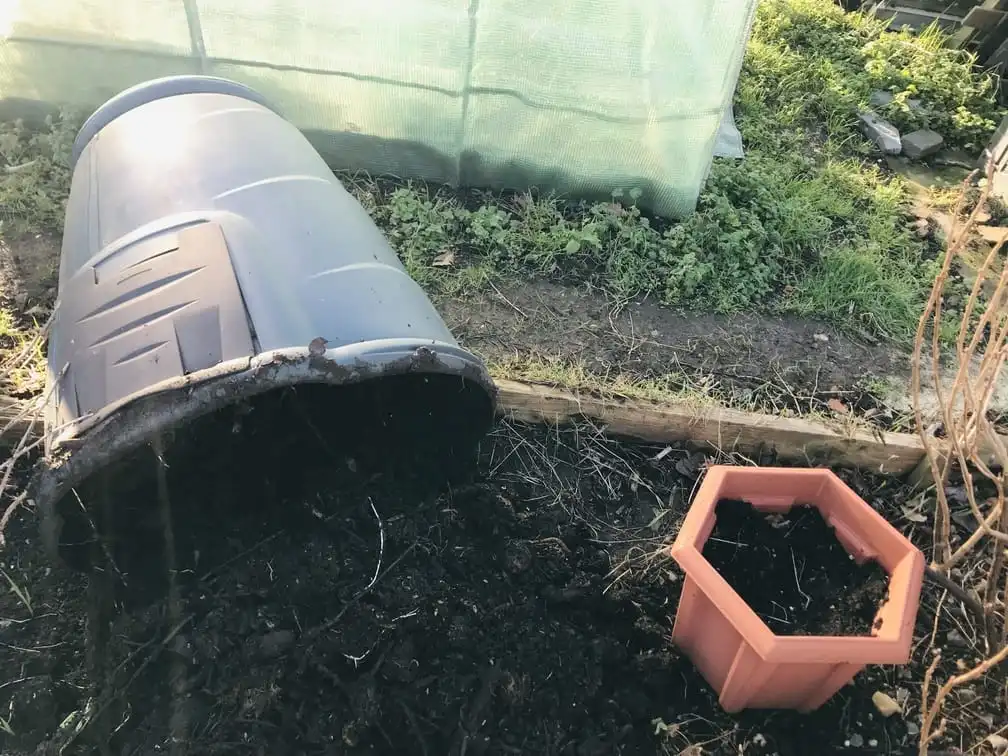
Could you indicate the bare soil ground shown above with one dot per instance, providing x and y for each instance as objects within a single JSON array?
[
  {"x": 28, "y": 269},
  {"x": 522, "y": 606},
  {"x": 749, "y": 361},
  {"x": 762, "y": 360}
]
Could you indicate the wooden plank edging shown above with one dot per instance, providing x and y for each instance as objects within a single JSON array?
[
  {"x": 793, "y": 439},
  {"x": 798, "y": 440}
]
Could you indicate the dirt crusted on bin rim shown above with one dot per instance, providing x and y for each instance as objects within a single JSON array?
[{"x": 523, "y": 607}]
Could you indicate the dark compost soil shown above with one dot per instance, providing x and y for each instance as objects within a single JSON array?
[
  {"x": 793, "y": 572},
  {"x": 319, "y": 607}
]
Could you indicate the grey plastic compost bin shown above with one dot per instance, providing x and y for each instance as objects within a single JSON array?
[{"x": 209, "y": 256}]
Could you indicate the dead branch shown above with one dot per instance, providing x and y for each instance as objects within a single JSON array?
[
  {"x": 971, "y": 447},
  {"x": 930, "y": 711}
]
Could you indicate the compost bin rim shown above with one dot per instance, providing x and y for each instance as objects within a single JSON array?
[
  {"x": 93, "y": 441},
  {"x": 159, "y": 89}
]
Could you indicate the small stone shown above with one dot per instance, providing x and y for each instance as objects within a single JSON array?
[
  {"x": 445, "y": 260},
  {"x": 886, "y": 705},
  {"x": 912, "y": 729},
  {"x": 998, "y": 743},
  {"x": 275, "y": 643},
  {"x": 881, "y": 132},
  {"x": 856, "y": 741},
  {"x": 873, "y": 743},
  {"x": 517, "y": 557},
  {"x": 351, "y": 734},
  {"x": 690, "y": 466},
  {"x": 991, "y": 234},
  {"x": 922, "y": 143},
  {"x": 821, "y": 337}
]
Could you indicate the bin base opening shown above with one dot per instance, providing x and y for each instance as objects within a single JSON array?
[{"x": 266, "y": 453}]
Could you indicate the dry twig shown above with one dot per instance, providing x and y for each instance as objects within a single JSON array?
[{"x": 971, "y": 446}]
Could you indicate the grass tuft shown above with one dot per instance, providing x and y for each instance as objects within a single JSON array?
[{"x": 35, "y": 174}]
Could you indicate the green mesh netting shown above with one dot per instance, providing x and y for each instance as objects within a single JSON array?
[{"x": 582, "y": 96}]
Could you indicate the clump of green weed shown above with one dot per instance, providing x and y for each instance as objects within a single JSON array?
[
  {"x": 35, "y": 174},
  {"x": 949, "y": 199},
  {"x": 766, "y": 235},
  {"x": 809, "y": 61},
  {"x": 951, "y": 97},
  {"x": 22, "y": 362}
]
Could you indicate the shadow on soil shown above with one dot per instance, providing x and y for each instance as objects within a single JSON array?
[{"x": 323, "y": 603}]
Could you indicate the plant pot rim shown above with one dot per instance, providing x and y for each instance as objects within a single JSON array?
[{"x": 870, "y": 649}]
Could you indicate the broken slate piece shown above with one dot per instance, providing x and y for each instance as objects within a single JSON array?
[
  {"x": 920, "y": 144},
  {"x": 881, "y": 132},
  {"x": 998, "y": 742}
]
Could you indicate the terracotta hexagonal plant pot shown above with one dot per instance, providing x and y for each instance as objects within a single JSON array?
[{"x": 746, "y": 663}]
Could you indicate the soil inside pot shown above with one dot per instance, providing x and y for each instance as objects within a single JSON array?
[{"x": 793, "y": 572}]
